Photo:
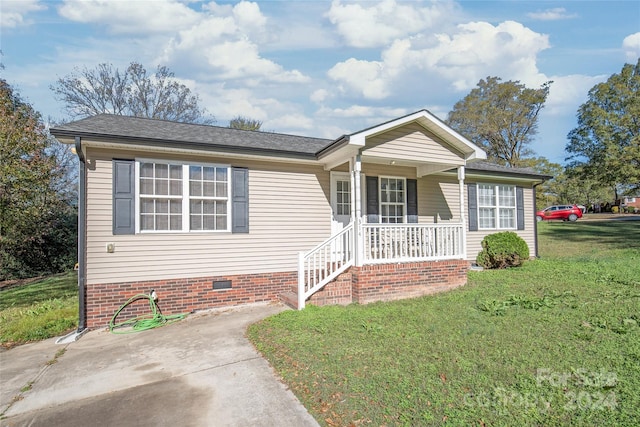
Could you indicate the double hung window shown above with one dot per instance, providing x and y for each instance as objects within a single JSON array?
[
  {"x": 392, "y": 200},
  {"x": 496, "y": 206},
  {"x": 183, "y": 197}
]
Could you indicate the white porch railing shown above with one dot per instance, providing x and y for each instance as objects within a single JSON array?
[
  {"x": 412, "y": 242},
  {"x": 382, "y": 243},
  {"x": 324, "y": 263}
]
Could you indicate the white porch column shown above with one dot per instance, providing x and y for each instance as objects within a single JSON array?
[
  {"x": 355, "y": 169},
  {"x": 462, "y": 211}
]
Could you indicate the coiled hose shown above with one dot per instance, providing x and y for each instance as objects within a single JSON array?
[{"x": 145, "y": 322}]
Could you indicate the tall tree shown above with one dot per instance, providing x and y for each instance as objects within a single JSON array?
[
  {"x": 606, "y": 143},
  {"x": 501, "y": 117},
  {"x": 134, "y": 92},
  {"x": 245, "y": 123},
  {"x": 37, "y": 225}
]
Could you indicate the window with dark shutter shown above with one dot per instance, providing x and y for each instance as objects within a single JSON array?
[
  {"x": 240, "y": 200},
  {"x": 123, "y": 217}
]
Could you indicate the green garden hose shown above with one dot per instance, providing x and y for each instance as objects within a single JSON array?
[{"x": 145, "y": 322}]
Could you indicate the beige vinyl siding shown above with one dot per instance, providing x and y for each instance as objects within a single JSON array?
[
  {"x": 438, "y": 199},
  {"x": 289, "y": 211},
  {"x": 474, "y": 238},
  {"x": 413, "y": 143}
]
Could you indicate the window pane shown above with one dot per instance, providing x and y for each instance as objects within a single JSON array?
[
  {"x": 176, "y": 206},
  {"x": 195, "y": 188},
  {"x": 209, "y": 223},
  {"x": 162, "y": 171},
  {"x": 221, "y": 222},
  {"x": 195, "y": 207},
  {"x": 176, "y": 222},
  {"x": 195, "y": 222},
  {"x": 176, "y": 172},
  {"x": 209, "y": 207},
  {"x": 146, "y": 186},
  {"x": 146, "y": 169},
  {"x": 486, "y": 218},
  {"x": 162, "y": 187},
  {"x": 209, "y": 173},
  {"x": 146, "y": 206},
  {"x": 162, "y": 222},
  {"x": 195, "y": 173},
  {"x": 221, "y": 208},
  {"x": 175, "y": 187},
  {"x": 507, "y": 195},
  {"x": 507, "y": 218},
  {"x": 221, "y": 189},
  {"x": 208, "y": 189},
  {"x": 146, "y": 222},
  {"x": 221, "y": 174}
]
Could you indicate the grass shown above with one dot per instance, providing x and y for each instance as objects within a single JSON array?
[
  {"x": 555, "y": 342},
  {"x": 39, "y": 310}
]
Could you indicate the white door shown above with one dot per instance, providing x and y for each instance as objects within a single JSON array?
[{"x": 340, "y": 201}]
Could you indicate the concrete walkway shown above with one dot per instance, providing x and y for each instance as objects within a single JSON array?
[{"x": 201, "y": 371}]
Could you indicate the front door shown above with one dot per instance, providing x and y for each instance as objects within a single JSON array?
[{"x": 340, "y": 201}]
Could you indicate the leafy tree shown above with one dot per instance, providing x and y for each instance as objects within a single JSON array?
[
  {"x": 134, "y": 92},
  {"x": 37, "y": 227},
  {"x": 245, "y": 123},
  {"x": 500, "y": 117},
  {"x": 606, "y": 144}
]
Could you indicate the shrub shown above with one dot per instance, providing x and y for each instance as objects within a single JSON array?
[
  {"x": 502, "y": 250},
  {"x": 614, "y": 209}
]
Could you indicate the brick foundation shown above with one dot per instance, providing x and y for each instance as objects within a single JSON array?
[
  {"x": 387, "y": 282},
  {"x": 183, "y": 295},
  {"x": 369, "y": 283}
]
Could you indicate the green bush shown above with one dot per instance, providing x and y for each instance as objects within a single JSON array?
[{"x": 502, "y": 250}]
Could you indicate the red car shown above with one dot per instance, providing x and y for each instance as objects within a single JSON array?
[{"x": 563, "y": 212}]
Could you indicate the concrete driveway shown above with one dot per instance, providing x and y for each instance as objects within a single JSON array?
[{"x": 200, "y": 371}]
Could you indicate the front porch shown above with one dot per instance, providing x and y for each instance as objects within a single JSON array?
[{"x": 373, "y": 262}]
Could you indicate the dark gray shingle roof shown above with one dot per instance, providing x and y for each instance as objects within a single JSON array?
[
  {"x": 496, "y": 169},
  {"x": 140, "y": 130}
]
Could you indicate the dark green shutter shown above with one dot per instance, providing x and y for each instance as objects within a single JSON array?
[
  {"x": 124, "y": 197},
  {"x": 472, "y": 201},
  {"x": 520, "y": 207},
  {"x": 373, "y": 215},
  {"x": 412, "y": 200},
  {"x": 239, "y": 200}
]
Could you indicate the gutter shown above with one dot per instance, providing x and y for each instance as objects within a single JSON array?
[{"x": 82, "y": 252}]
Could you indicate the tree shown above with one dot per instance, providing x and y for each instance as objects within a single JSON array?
[
  {"x": 133, "y": 92},
  {"x": 37, "y": 228},
  {"x": 606, "y": 143},
  {"x": 500, "y": 117},
  {"x": 245, "y": 123}
]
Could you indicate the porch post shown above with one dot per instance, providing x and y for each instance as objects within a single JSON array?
[
  {"x": 462, "y": 211},
  {"x": 356, "y": 208}
]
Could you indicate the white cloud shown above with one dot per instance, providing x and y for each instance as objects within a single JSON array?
[
  {"x": 319, "y": 96},
  {"x": 131, "y": 17},
  {"x": 13, "y": 12},
  {"x": 631, "y": 46},
  {"x": 296, "y": 121},
  {"x": 554, "y": 14},
  {"x": 377, "y": 24},
  {"x": 567, "y": 93},
  {"x": 477, "y": 49}
]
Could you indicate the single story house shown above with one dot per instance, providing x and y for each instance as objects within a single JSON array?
[{"x": 211, "y": 216}]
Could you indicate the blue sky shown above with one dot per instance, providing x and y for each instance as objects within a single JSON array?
[{"x": 323, "y": 68}]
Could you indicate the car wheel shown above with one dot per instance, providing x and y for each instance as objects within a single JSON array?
[
  {"x": 573, "y": 217},
  {"x": 538, "y": 218}
]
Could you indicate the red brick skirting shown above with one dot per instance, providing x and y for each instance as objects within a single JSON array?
[
  {"x": 386, "y": 282},
  {"x": 183, "y": 295},
  {"x": 369, "y": 283}
]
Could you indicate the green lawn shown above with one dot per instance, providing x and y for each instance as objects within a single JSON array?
[
  {"x": 39, "y": 310},
  {"x": 555, "y": 342}
]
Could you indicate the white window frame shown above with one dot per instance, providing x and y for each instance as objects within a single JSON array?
[
  {"x": 185, "y": 197},
  {"x": 497, "y": 207},
  {"x": 404, "y": 201}
]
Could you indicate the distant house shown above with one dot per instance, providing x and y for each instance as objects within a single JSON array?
[
  {"x": 211, "y": 216},
  {"x": 630, "y": 201}
]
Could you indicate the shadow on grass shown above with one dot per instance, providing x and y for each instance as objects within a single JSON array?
[{"x": 620, "y": 234}]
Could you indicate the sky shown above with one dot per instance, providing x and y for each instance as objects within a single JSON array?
[{"x": 328, "y": 68}]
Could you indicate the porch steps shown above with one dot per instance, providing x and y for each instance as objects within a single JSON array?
[{"x": 290, "y": 298}]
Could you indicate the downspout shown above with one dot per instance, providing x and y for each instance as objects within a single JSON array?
[
  {"x": 535, "y": 222},
  {"x": 82, "y": 244}
]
